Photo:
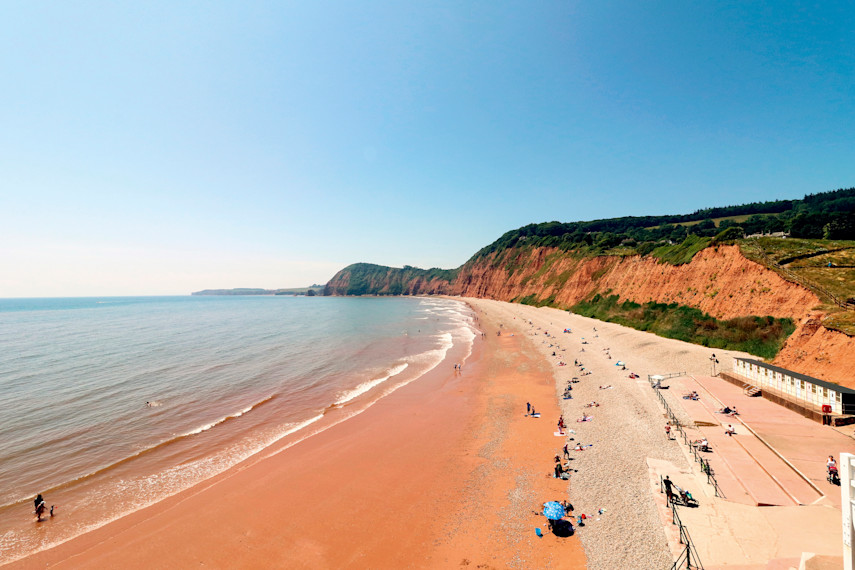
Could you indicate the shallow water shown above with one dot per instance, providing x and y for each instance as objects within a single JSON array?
[{"x": 111, "y": 404}]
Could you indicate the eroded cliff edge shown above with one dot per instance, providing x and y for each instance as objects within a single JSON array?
[{"x": 719, "y": 281}]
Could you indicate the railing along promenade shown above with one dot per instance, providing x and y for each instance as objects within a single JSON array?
[
  {"x": 706, "y": 468},
  {"x": 688, "y": 554}
]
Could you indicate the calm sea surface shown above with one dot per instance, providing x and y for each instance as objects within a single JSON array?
[{"x": 111, "y": 404}]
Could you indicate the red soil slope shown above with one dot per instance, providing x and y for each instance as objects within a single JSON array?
[{"x": 719, "y": 281}]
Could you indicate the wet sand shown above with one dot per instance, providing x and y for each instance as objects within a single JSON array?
[{"x": 446, "y": 471}]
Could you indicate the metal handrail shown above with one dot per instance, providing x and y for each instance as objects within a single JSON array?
[
  {"x": 689, "y": 554},
  {"x": 705, "y": 465}
]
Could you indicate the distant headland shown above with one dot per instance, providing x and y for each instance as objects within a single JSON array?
[{"x": 309, "y": 291}]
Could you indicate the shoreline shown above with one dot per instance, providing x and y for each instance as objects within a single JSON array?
[
  {"x": 198, "y": 446},
  {"x": 364, "y": 492}
]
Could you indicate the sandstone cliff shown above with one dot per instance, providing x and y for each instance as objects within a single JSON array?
[{"x": 719, "y": 281}]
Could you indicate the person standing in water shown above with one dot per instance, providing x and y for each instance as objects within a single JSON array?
[{"x": 41, "y": 507}]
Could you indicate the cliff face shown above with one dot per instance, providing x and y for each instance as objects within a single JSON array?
[
  {"x": 719, "y": 281},
  {"x": 369, "y": 279}
]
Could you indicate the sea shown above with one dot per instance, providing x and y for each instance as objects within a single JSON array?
[{"x": 108, "y": 405}]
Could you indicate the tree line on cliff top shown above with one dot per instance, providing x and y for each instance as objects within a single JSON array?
[
  {"x": 825, "y": 215},
  {"x": 673, "y": 239}
]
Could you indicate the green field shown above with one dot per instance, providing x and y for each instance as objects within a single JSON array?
[{"x": 806, "y": 261}]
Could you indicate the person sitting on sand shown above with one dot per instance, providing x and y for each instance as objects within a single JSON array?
[
  {"x": 730, "y": 430},
  {"x": 702, "y": 444}
]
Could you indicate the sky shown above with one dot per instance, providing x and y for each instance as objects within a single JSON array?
[{"x": 158, "y": 148}]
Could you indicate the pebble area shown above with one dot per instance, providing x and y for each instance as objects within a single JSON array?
[{"x": 627, "y": 428}]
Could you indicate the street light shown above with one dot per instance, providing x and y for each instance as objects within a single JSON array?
[{"x": 713, "y": 361}]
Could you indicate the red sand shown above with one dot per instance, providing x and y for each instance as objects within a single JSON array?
[{"x": 446, "y": 471}]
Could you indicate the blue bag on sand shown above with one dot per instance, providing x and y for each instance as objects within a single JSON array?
[{"x": 538, "y": 532}]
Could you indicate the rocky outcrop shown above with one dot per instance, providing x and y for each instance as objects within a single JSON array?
[{"x": 370, "y": 279}]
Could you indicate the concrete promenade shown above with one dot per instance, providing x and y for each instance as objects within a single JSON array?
[{"x": 776, "y": 504}]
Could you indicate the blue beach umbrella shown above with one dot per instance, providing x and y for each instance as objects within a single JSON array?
[{"x": 553, "y": 510}]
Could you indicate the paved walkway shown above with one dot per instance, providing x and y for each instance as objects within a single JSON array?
[{"x": 777, "y": 458}]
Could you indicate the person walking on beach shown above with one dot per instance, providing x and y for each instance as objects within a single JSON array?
[
  {"x": 528, "y": 408},
  {"x": 566, "y": 451},
  {"x": 668, "y": 430}
]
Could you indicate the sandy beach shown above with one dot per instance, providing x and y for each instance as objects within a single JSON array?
[
  {"x": 625, "y": 451},
  {"x": 446, "y": 471},
  {"x": 450, "y": 471}
]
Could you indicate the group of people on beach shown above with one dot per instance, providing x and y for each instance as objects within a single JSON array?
[{"x": 41, "y": 507}]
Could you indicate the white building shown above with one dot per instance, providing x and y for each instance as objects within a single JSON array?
[{"x": 804, "y": 389}]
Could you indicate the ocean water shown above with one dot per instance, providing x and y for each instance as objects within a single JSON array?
[{"x": 111, "y": 404}]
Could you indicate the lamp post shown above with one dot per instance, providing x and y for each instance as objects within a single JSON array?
[{"x": 713, "y": 362}]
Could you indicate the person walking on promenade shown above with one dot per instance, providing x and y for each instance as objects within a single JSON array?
[{"x": 669, "y": 494}]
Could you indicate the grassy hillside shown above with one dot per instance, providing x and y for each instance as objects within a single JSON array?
[
  {"x": 762, "y": 336},
  {"x": 371, "y": 279},
  {"x": 827, "y": 267}
]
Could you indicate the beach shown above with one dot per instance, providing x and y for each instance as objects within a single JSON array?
[
  {"x": 447, "y": 470},
  {"x": 450, "y": 470}
]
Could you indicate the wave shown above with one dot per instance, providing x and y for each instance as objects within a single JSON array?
[
  {"x": 147, "y": 450},
  {"x": 366, "y": 386},
  {"x": 168, "y": 483},
  {"x": 222, "y": 420}
]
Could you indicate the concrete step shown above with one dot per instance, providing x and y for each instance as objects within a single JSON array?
[
  {"x": 751, "y": 475},
  {"x": 777, "y": 469}
]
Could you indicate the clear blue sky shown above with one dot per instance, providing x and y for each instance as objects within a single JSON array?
[{"x": 165, "y": 147}]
